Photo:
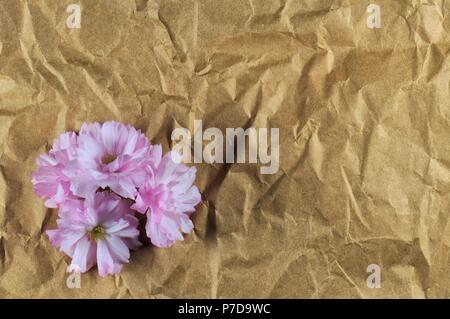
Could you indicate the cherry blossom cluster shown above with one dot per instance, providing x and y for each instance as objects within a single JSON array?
[{"x": 98, "y": 180}]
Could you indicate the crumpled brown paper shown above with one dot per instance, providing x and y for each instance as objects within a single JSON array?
[{"x": 364, "y": 118}]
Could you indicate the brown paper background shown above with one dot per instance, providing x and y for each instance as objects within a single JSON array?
[{"x": 364, "y": 118}]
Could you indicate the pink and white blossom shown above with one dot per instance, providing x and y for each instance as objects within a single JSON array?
[
  {"x": 168, "y": 197},
  {"x": 111, "y": 155},
  {"x": 49, "y": 180},
  {"x": 99, "y": 230},
  {"x": 95, "y": 177}
]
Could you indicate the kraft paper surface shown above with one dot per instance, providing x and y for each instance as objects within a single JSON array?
[{"x": 364, "y": 131}]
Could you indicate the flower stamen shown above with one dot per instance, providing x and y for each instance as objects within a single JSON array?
[
  {"x": 109, "y": 158},
  {"x": 97, "y": 233}
]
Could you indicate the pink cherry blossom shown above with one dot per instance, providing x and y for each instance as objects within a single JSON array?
[
  {"x": 49, "y": 180},
  {"x": 168, "y": 197},
  {"x": 111, "y": 155},
  {"x": 95, "y": 177},
  {"x": 99, "y": 230}
]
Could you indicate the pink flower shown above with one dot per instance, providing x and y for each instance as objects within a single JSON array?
[
  {"x": 49, "y": 180},
  {"x": 99, "y": 230},
  {"x": 111, "y": 155},
  {"x": 168, "y": 197}
]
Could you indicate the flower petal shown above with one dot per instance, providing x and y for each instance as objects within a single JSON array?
[{"x": 105, "y": 262}]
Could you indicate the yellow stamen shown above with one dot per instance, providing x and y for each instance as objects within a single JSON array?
[
  {"x": 108, "y": 159},
  {"x": 97, "y": 233}
]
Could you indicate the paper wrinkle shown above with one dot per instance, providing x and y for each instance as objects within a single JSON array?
[{"x": 363, "y": 117}]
